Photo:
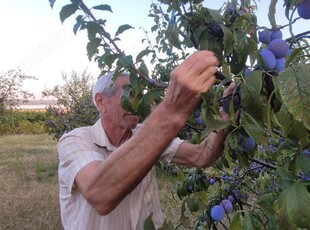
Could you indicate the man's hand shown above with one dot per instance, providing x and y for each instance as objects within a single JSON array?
[{"x": 191, "y": 78}]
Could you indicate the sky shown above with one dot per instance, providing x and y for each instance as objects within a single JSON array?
[{"x": 34, "y": 39}]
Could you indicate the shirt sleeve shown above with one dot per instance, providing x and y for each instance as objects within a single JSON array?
[
  {"x": 74, "y": 153},
  {"x": 170, "y": 151}
]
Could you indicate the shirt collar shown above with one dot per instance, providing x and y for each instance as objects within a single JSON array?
[{"x": 100, "y": 137}]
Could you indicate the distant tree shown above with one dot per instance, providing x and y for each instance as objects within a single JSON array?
[
  {"x": 11, "y": 89},
  {"x": 74, "y": 106}
]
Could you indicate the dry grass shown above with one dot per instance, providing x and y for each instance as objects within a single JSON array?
[{"x": 29, "y": 185}]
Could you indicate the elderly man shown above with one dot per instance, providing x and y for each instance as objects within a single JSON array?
[{"x": 106, "y": 171}]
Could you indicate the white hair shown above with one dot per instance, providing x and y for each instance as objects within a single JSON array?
[{"x": 105, "y": 85}]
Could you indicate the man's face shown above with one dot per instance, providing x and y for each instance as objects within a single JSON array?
[{"x": 114, "y": 113}]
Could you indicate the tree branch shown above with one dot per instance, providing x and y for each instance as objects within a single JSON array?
[{"x": 106, "y": 35}]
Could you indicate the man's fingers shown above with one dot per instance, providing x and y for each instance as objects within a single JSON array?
[{"x": 230, "y": 89}]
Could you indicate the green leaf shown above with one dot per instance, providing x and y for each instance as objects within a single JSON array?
[
  {"x": 77, "y": 25},
  {"x": 122, "y": 28},
  {"x": 250, "y": 222},
  {"x": 192, "y": 204},
  {"x": 184, "y": 220},
  {"x": 108, "y": 59},
  {"x": 298, "y": 208},
  {"x": 125, "y": 99},
  {"x": 286, "y": 179},
  {"x": 253, "y": 128},
  {"x": 252, "y": 102},
  {"x": 92, "y": 29},
  {"x": 134, "y": 81},
  {"x": 266, "y": 202},
  {"x": 294, "y": 88},
  {"x": 142, "y": 54},
  {"x": 304, "y": 163},
  {"x": 228, "y": 40},
  {"x": 235, "y": 222},
  {"x": 104, "y": 7},
  {"x": 172, "y": 34},
  {"x": 125, "y": 61},
  {"x": 207, "y": 42},
  {"x": 92, "y": 47},
  {"x": 144, "y": 105},
  {"x": 214, "y": 125},
  {"x": 240, "y": 53},
  {"x": 282, "y": 217},
  {"x": 293, "y": 56},
  {"x": 67, "y": 10},
  {"x": 148, "y": 223},
  {"x": 143, "y": 68},
  {"x": 215, "y": 14},
  {"x": 291, "y": 128}
]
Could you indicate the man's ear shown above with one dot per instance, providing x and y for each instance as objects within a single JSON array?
[{"x": 100, "y": 102}]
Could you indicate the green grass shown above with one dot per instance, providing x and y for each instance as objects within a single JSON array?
[{"x": 29, "y": 185}]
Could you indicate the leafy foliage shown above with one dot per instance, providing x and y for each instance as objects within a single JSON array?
[
  {"x": 22, "y": 122},
  {"x": 261, "y": 170},
  {"x": 11, "y": 89},
  {"x": 74, "y": 104}
]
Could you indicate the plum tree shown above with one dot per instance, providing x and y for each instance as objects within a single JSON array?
[
  {"x": 303, "y": 9},
  {"x": 268, "y": 58},
  {"x": 278, "y": 47},
  {"x": 272, "y": 129},
  {"x": 217, "y": 213}
]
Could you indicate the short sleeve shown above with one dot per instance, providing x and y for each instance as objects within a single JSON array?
[
  {"x": 75, "y": 152},
  {"x": 170, "y": 151}
]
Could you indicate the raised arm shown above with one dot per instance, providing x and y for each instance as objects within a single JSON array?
[{"x": 106, "y": 183}]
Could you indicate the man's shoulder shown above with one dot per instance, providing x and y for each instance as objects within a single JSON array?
[{"x": 83, "y": 131}]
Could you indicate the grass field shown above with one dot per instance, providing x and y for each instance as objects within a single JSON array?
[{"x": 29, "y": 184}]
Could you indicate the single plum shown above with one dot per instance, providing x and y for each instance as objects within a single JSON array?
[
  {"x": 268, "y": 58},
  {"x": 236, "y": 103},
  {"x": 230, "y": 9},
  {"x": 227, "y": 205},
  {"x": 278, "y": 47},
  {"x": 246, "y": 143},
  {"x": 280, "y": 64},
  {"x": 217, "y": 213},
  {"x": 303, "y": 9},
  {"x": 276, "y": 34},
  {"x": 264, "y": 36}
]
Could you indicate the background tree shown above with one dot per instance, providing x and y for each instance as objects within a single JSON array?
[
  {"x": 263, "y": 179},
  {"x": 11, "y": 89},
  {"x": 74, "y": 106}
]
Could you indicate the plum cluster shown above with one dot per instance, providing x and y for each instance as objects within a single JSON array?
[
  {"x": 276, "y": 51},
  {"x": 218, "y": 211}
]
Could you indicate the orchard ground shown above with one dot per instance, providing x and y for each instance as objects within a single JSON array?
[{"x": 29, "y": 184}]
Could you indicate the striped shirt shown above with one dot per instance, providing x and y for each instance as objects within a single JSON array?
[{"x": 80, "y": 147}]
